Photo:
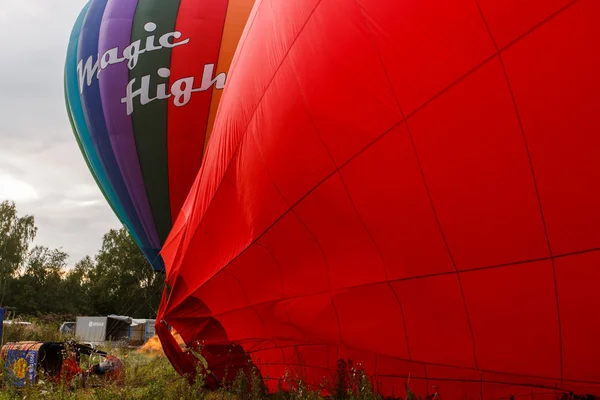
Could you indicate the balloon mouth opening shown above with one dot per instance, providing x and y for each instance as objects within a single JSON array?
[{"x": 204, "y": 348}]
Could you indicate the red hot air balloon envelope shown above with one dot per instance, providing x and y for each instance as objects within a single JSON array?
[{"x": 409, "y": 184}]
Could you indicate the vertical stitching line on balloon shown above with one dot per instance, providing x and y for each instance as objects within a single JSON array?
[
  {"x": 423, "y": 178},
  {"x": 248, "y": 300},
  {"x": 355, "y": 210},
  {"x": 481, "y": 384},
  {"x": 533, "y": 175},
  {"x": 291, "y": 209},
  {"x": 282, "y": 285},
  {"x": 345, "y": 186},
  {"x": 426, "y": 377},
  {"x": 335, "y": 310},
  {"x": 329, "y": 176},
  {"x": 383, "y": 264}
]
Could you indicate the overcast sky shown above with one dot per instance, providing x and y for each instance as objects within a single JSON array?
[{"x": 41, "y": 168}]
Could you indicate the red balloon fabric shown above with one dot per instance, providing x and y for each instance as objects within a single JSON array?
[{"x": 411, "y": 184}]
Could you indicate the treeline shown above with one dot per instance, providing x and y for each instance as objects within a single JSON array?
[{"x": 35, "y": 279}]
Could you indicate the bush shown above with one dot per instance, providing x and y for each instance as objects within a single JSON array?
[{"x": 42, "y": 332}]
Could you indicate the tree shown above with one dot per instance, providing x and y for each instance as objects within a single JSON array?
[
  {"x": 118, "y": 281},
  {"x": 16, "y": 234},
  {"x": 40, "y": 287},
  {"x": 77, "y": 287},
  {"x": 123, "y": 281}
]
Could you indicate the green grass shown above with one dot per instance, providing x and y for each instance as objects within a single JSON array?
[
  {"x": 146, "y": 377},
  {"x": 47, "y": 332},
  {"x": 151, "y": 376}
]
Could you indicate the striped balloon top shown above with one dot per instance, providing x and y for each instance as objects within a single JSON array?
[{"x": 143, "y": 80}]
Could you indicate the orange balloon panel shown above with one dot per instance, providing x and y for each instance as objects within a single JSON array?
[{"x": 411, "y": 184}]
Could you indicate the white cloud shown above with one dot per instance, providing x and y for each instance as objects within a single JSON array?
[
  {"x": 21, "y": 10},
  {"x": 16, "y": 190},
  {"x": 40, "y": 164}
]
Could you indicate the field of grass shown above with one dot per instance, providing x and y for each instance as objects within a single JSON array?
[{"x": 149, "y": 375}]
